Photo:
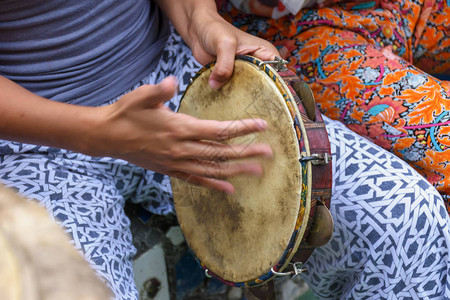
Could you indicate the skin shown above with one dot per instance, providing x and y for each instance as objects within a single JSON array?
[
  {"x": 260, "y": 9},
  {"x": 138, "y": 127},
  {"x": 211, "y": 37}
]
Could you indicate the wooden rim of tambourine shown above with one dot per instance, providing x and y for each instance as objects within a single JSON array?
[{"x": 299, "y": 226}]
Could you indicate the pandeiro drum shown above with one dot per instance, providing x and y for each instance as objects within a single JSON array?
[{"x": 271, "y": 224}]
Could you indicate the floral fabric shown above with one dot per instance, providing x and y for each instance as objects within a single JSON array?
[{"x": 369, "y": 65}]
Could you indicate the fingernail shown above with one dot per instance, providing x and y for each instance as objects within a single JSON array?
[
  {"x": 215, "y": 85},
  {"x": 172, "y": 78},
  {"x": 229, "y": 191},
  {"x": 258, "y": 171},
  {"x": 262, "y": 124},
  {"x": 269, "y": 153},
  {"x": 266, "y": 150},
  {"x": 170, "y": 82}
]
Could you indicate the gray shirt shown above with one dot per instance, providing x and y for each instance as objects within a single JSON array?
[{"x": 80, "y": 51}]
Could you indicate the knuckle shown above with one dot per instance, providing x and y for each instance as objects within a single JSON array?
[
  {"x": 228, "y": 132},
  {"x": 222, "y": 134},
  {"x": 180, "y": 153},
  {"x": 213, "y": 151},
  {"x": 211, "y": 170},
  {"x": 176, "y": 130},
  {"x": 166, "y": 153},
  {"x": 222, "y": 72},
  {"x": 168, "y": 136},
  {"x": 228, "y": 42},
  {"x": 175, "y": 134},
  {"x": 171, "y": 164},
  {"x": 175, "y": 153},
  {"x": 238, "y": 151}
]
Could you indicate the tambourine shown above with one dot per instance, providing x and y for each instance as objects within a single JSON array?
[{"x": 271, "y": 224}]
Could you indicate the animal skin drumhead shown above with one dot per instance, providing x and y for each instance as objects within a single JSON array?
[{"x": 240, "y": 237}]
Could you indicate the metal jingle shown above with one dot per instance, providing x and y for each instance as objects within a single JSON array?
[
  {"x": 305, "y": 94},
  {"x": 322, "y": 228}
]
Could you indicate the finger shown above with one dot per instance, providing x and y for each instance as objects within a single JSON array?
[
  {"x": 223, "y": 69},
  {"x": 219, "y": 170},
  {"x": 210, "y": 183},
  {"x": 202, "y": 56},
  {"x": 151, "y": 95},
  {"x": 266, "y": 53},
  {"x": 215, "y": 151},
  {"x": 221, "y": 130},
  {"x": 257, "y": 47}
]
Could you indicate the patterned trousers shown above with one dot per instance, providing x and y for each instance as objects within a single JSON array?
[
  {"x": 391, "y": 235},
  {"x": 368, "y": 63}
]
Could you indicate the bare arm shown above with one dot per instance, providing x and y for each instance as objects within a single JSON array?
[
  {"x": 210, "y": 36},
  {"x": 137, "y": 128},
  {"x": 26, "y": 117}
]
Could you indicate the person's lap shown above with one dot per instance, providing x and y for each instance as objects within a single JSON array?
[{"x": 391, "y": 235}]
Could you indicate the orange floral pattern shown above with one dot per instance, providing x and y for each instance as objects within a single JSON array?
[{"x": 369, "y": 65}]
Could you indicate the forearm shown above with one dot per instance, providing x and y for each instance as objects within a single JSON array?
[
  {"x": 183, "y": 12},
  {"x": 210, "y": 37},
  {"x": 137, "y": 128},
  {"x": 27, "y": 117}
]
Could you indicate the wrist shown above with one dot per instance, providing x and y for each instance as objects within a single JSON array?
[
  {"x": 184, "y": 15},
  {"x": 89, "y": 131},
  {"x": 198, "y": 17}
]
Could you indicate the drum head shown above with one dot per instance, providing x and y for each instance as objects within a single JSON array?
[{"x": 240, "y": 237}]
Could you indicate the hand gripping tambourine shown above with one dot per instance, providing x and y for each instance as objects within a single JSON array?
[{"x": 271, "y": 224}]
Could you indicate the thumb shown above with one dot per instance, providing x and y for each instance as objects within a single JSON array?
[
  {"x": 223, "y": 69},
  {"x": 152, "y": 95}
]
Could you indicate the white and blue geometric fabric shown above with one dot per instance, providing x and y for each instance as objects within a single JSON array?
[{"x": 391, "y": 236}]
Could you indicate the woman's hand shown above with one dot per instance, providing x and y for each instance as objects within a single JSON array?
[
  {"x": 140, "y": 129},
  {"x": 211, "y": 37},
  {"x": 137, "y": 128},
  {"x": 222, "y": 40}
]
